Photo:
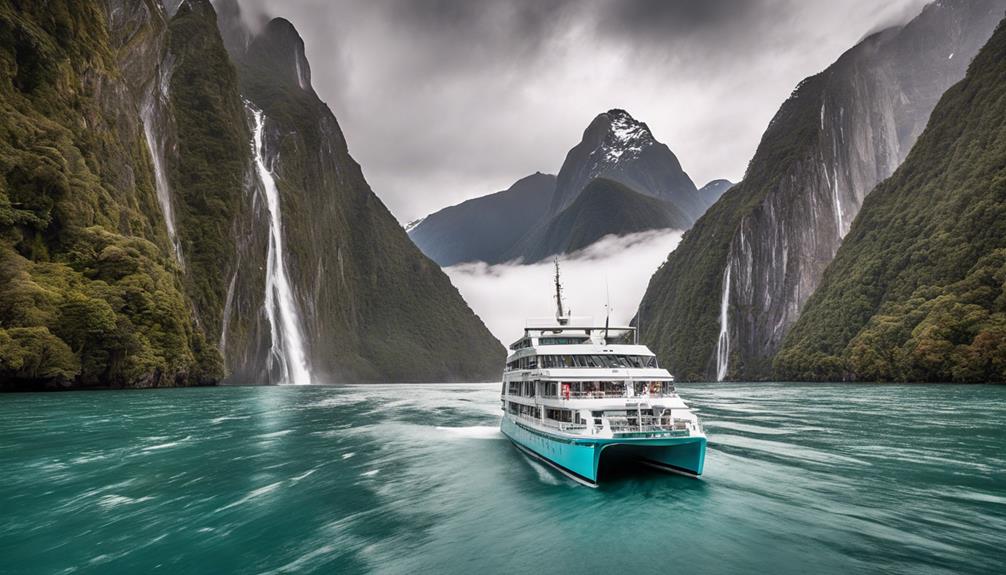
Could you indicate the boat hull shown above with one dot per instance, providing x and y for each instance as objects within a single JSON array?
[{"x": 582, "y": 458}]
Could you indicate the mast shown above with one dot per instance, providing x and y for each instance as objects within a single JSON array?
[
  {"x": 607, "y": 309},
  {"x": 560, "y": 315}
]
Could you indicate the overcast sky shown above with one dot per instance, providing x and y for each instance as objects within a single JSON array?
[{"x": 444, "y": 100}]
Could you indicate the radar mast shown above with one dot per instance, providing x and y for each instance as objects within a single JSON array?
[{"x": 560, "y": 314}]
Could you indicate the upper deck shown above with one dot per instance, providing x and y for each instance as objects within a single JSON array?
[{"x": 572, "y": 331}]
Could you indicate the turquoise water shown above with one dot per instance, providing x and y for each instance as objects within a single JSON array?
[{"x": 417, "y": 479}]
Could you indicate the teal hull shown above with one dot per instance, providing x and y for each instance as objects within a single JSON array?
[{"x": 582, "y": 458}]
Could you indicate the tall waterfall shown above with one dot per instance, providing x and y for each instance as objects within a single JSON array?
[
  {"x": 148, "y": 116},
  {"x": 723, "y": 345},
  {"x": 280, "y": 308}
]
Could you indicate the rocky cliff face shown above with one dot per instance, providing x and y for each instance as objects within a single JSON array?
[
  {"x": 361, "y": 299},
  {"x": 485, "y": 229},
  {"x": 916, "y": 292},
  {"x": 722, "y": 303}
]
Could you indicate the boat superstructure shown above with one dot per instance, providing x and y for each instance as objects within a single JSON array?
[{"x": 583, "y": 397}]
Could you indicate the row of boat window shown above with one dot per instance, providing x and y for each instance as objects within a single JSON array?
[
  {"x": 526, "y": 342},
  {"x": 586, "y": 389},
  {"x": 560, "y": 340},
  {"x": 555, "y": 414},
  {"x": 556, "y": 361},
  {"x": 524, "y": 410}
]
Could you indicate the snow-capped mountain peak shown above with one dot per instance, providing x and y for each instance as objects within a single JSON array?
[{"x": 624, "y": 140}]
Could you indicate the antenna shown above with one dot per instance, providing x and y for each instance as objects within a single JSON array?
[
  {"x": 560, "y": 315},
  {"x": 639, "y": 324},
  {"x": 607, "y": 308}
]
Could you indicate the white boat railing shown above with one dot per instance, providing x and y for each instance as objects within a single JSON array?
[
  {"x": 646, "y": 423},
  {"x": 609, "y": 395},
  {"x": 620, "y": 425}
]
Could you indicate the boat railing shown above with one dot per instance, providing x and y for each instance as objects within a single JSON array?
[
  {"x": 608, "y": 395},
  {"x": 647, "y": 423},
  {"x": 566, "y": 426},
  {"x": 620, "y": 425}
]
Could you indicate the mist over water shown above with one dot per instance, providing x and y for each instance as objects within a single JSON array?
[
  {"x": 504, "y": 295},
  {"x": 817, "y": 478}
]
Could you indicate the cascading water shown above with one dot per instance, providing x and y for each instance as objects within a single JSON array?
[
  {"x": 281, "y": 310},
  {"x": 148, "y": 116},
  {"x": 723, "y": 345}
]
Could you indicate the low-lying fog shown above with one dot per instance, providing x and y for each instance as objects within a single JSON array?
[{"x": 505, "y": 295}]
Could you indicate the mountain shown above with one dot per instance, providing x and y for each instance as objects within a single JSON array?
[
  {"x": 722, "y": 303},
  {"x": 618, "y": 147},
  {"x": 486, "y": 228},
  {"x": 142, "y": 237},
  {"x": 917, "y": 292},
  {"x": 528, "y": 221},
  {"x": 605, "y": 207},
  {"x": 362, "y": 302},
  {"x": 714, "y": 190}
]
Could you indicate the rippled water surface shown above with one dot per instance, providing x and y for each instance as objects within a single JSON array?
[{"x": 417, "y": 479}]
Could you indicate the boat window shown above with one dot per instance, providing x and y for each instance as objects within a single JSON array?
[
  {"x": 561, "y": 340},
  {"x": 563, "y": 415},
  {"x": 588, "y": 361}
]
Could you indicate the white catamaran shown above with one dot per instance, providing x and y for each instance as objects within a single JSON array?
[{"x": 583, "y": 399}]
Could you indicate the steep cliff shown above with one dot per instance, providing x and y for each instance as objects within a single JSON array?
[
  {"x": 209, "y": 161},
  {"x": 722, "y": 303},
  {"x": 917, "y": 292},
  {"x": 346, "y": 294},
  {"x": 91, "y": 290},
  {"x": 486, "y": 228}
]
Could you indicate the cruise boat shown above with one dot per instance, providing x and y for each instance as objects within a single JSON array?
[{"x": 586, "y": 399}]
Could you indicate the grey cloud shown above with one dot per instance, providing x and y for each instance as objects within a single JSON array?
[{"x": 442, "y": 100}]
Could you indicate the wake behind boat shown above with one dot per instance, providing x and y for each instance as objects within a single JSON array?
[{"x": 580, "y": 398}]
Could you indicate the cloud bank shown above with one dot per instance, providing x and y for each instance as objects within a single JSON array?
[{"x": 505, "y": 295}]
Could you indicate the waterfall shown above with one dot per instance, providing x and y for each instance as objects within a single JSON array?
[
  {"x": 302, "y": 80},
  {"x": 723, "y": 345},
  {"x": 228, "y": 307},
  {"x": 281, "y": 310},
  {"x": 148, "y": 116}
]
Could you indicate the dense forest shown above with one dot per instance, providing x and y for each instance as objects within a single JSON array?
[{"x": 88, "y": 286}]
